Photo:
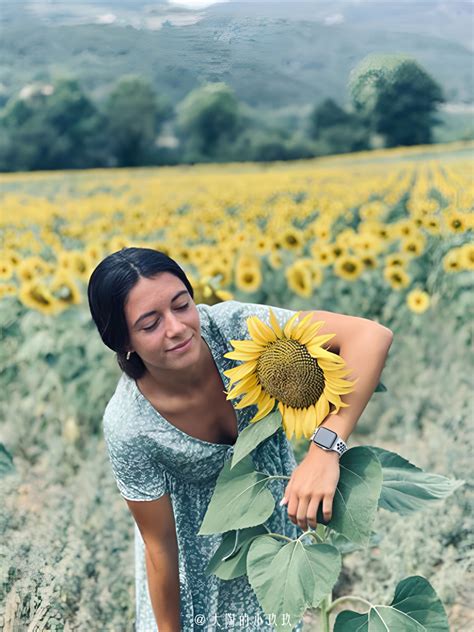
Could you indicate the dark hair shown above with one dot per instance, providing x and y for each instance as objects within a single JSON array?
[{"x": 107, "y": 292}]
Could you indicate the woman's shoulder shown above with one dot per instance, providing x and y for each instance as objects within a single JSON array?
[
  {"x": 230, "y": 317},
  {"x": 121, "y": 411}
]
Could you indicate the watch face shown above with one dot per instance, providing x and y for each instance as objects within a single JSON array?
[{"x": 325, "y": 437}]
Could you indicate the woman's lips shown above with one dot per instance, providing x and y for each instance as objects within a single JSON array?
[{"x": 183, "y": 346}]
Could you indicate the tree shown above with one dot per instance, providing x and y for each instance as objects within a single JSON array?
[
  {"x": 208, "y": 120},
  {"x": 396, "y": 98},
  {"x": 134, "y": 117},
  {"x": 52, "y": 127},
  {"x": 325, "y": 115}
]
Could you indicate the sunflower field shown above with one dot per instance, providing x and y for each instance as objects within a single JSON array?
[{"x": 385, "y": 235}]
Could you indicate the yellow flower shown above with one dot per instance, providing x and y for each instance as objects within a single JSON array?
[
  {"x": 64, "y": 289},
  {"x": 292, "y": 238},
  {"x": 248, "y": 277},
  {"x": 396, "y": 276},
  {"x": 413, "y": 246},
  {"x": 466, "y": 256},
  {"x": 418, "y": 301},
  {"x": 348, "y": 267},
  {"x": 6, "y": 269},
  {"x": 455, "y": 222},
  {"x": 452, "y": 260},
  {"x": 7, "y": 289},
  {"x": 299, "y": 279},
  {"x": 37, "y": 295},
  {"x": 275, "y": 259},
  {"x": 289, "y": 366}
]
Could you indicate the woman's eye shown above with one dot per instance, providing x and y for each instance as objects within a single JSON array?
[{"x": 155, "y": 323}]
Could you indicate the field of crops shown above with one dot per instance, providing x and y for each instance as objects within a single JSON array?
[{"x": 385, "y": 235}]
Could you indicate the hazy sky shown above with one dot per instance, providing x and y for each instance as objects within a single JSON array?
[{"x": 195, "y": 4}]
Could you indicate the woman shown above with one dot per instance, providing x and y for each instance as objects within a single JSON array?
[{"x": 169, "y": 429}]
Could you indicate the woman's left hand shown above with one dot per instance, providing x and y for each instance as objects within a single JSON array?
[{"x": 313, "y": 481}]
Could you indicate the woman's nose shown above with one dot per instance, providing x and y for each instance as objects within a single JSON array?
[{"x": 174, "y": 326}]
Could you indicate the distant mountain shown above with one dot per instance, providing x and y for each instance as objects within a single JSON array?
[{"x": 274, "y": 54}]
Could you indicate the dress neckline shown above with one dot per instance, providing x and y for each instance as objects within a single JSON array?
[{"x": 225, "y": 382}]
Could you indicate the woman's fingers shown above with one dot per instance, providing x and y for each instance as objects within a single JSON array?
[
  {"x": 303, "y": 511},
  {"x": 327, "y": 506}
]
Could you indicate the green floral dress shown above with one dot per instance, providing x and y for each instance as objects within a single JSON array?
[{"x": 151, "y": 457}]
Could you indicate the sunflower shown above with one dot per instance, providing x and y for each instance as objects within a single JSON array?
[
  {"x": 418, "y": 301},
  {"x": 37, "y": 295},
  {"x": 288, "y": 365},
  {"x": 396, "y": 276},
  {"x": 452, "y": 261},
  {"x": 300, "y": 279},
  {"x": 466, "y": 256},
  {"x": 64, "y": 289},
  {"x": 348, "y": 267},
  {"x": 248, "y": 277}
]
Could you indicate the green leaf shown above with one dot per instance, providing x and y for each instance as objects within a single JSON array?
[
  {"x": 6, "y": 461},
  {"x": 380, "y": 388},
  {"x": 240, "y": 499},
  {"x": 254, "y": 434},
  {"x": 344, "y": 545},
  {"x": 407, "y": 488},
  {"x": 415, "y": 608},
  {"x": 230, "y": 559},
  {"x": 356, "y": 496},
  {"x": 289, "y": 578}
]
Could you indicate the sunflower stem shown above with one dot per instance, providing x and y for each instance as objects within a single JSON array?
[
  {"x": 324, "y": 607},
  {"x": 338, "y": 601}
]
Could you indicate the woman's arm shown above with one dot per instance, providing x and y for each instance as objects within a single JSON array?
[
  {"x": 364, "y": 345},
  {"x": 155, "y": 520}
]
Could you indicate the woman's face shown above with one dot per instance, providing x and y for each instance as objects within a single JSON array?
[{"x": 161, "y": 315}]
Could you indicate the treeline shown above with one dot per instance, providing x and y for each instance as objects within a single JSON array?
[{"x": 59, "y": 126}]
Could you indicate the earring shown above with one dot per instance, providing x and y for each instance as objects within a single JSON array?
[{"x": 128, "y": 355}]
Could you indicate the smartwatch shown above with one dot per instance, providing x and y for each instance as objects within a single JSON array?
[{"x": 329, "y": 440}]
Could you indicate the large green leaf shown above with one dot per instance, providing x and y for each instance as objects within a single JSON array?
[
  {"x": 407, "y": 488},
  {"x": 230, "y": 559},
  {"x": 357, "y": 494},
  {"x": 254, "y": 434},
  {"x": 289, "y": 578},
  {"x": 240, "y": 499},
  {"x": 415, "y": 608},
  {"x": 6, "y": 461}
]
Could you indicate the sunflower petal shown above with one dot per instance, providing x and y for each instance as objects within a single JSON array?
[
  {"x": 275, "y": 324},
  {"x": 310, "y": 332},
  {"x": 248, "y": 346},
  {"x": 264, "y": 410},
  {"x": 287, "y": 330},
  {"x": 252, "y": 397},
  {"x": 241, "y": 355},
  {"x": 238, "y": 372},
  {"x": 302, "y": 325},
  {"x": 322, "y": 409},
  {"x": 318, "y": 352},
  {"x": 309, "y": 422},
  {"x": 266, "y": 331},
  {"x": 258, "y": 333},
  {"x": 244, "y": 385},
  {"x": 290, "y": 421}
]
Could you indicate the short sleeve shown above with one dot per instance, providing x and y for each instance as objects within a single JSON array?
[
  {"x": 138, "y": 474},
  {"x": 231, "y": 316}
]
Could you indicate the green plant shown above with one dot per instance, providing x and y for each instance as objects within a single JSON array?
[{"x": 371, "y": 478}]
